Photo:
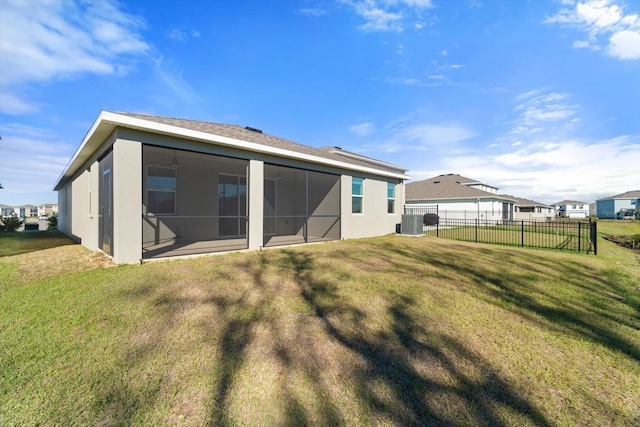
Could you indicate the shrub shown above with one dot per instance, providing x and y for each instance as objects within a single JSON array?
[
  {"x": 53, "y": 221},
  {"x": 10, "y": 224}
]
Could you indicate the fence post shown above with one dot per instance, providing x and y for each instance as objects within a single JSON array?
[
  {"x": 594, "y": 236},
  {"x": 522, "y": 233},
  {"x": 579, "y": 235},
  {"x": 476, "y": 230}
]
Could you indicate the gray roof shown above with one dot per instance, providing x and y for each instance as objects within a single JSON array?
[
  {"x": 448, "y": 186},
  {"x": 635, "y": 194},
  {"x": 258, "y": 137},
  {"x": 526, "y": 202}
]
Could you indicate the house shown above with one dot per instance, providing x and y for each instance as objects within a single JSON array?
[
  {"x": 529, "y": 210},
  {"x": 26, "y": 211},
  {"x": 571, "y": 209},
  {"x": 142, "y": 187},
  {"x": 6, "y": 210},
  {"x": 610, "y": 207},
  {"x": 458, "y": 197},
  {"x": 47, "y": 209}
]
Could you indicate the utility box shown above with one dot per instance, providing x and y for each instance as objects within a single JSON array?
[{"x": 411, "y": 225}]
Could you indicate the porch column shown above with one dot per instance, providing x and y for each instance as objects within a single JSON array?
[
  {"x": 127, "y": 201},
  {"x": 256, "y": 203}
]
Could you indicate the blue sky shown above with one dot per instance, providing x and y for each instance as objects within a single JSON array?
[{"x": 538, "y": 98}]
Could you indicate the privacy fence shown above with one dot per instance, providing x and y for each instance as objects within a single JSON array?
[{"x": 576, "y": 236}]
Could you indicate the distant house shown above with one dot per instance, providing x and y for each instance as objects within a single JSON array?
[
  {"x": 610, "y": 207},
  {"x": 458, "y": 197},
  {"x": 529, "y": 210},
  {"x": 47, "y": 209},
  {"x": 142, "y": 187},
  {"x": 27, "y": 211},
  {"x": 571, "y": 209}
]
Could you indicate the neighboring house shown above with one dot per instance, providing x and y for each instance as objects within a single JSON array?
[
  {"x": 458, "y": 197},
  {"x": 529, "y": 210},
  {"x": 142, "y": 187},
  {"x": 571, "y": 209},
  {"x": 26, "y": 211},
  {"x": 47, "y": 209},
  {"x": 609, "y": 207},
  {"x": 6, "y": 210}
]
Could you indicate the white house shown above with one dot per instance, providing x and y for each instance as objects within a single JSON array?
[
  {"x": 571, "y": 209},
  {"x": 458, "y": 197},
  {"x": 141, "y": 187}
]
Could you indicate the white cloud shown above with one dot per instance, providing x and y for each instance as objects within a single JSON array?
[
  {"x": 25, "y": 148},
  {"x": 312, "y": 11},
  {"x": 362, "y": 129},
  {"x": 537, "y": 107},
  {"x": 389, "y": 15},
  {"x": 550, "y": 171},
  {"x": 625, "y": 45},
  {"x": 65, "y": 39},
  {"x": 179, "y": 35},
  {"x": 410, "y": 137},
  {"x": 172, "y": 77},
  {"x": 602, "y": 20},
  {"x": 378, "y": 19}
]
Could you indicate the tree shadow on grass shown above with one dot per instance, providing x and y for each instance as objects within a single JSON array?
[
  {"x": 591, "y": 314},
  {"x": 389, "y": 382}
]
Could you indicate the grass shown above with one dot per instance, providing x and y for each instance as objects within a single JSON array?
[
  {"x": 387, "y": 331},
  {"x": 25, "y": 242},
  {"x": 550, "y": 235}
]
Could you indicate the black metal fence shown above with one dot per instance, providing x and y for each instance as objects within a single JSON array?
[{"x": 576, "y": 236}]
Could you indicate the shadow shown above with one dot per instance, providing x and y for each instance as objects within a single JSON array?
[
  {"x": 285, "y": 334},
  {"x": 412, "y": 396},
  {"x": 519, "y": 291}
]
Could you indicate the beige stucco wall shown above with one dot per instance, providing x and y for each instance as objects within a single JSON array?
[
  {"x": 374, "y": 219},
  {"x": 255, "y": 196},
  {"x": 127, "y": 197}
]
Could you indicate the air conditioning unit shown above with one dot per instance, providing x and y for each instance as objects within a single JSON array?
[{"x": 411, "y": 225}]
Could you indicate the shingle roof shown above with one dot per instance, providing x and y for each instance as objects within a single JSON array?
[
  {"x": 447, "y": 186},
  {"x": 525, "y": 202},
  {"x": 635, "y": 194},
  {"x": 258, "y": 137}
]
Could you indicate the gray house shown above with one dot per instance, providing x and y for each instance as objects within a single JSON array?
[
  {"x": 142, "y": 187},
  {"x": 611, "y": 207}
]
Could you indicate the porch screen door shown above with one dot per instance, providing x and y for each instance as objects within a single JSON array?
[{"x": 105, "y": 209}]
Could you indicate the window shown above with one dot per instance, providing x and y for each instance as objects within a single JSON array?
[
  {"x": 391, "y": 198},
  {"x": 161, "y": 190},
  {"x": 573, "y": 206},
  {"x": 357, "y": 194}
]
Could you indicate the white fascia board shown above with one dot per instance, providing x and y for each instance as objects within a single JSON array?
[
  {"x": 115, "y": 119},
  {"x": 80, "y": 149},
  {"x": 166, "y": 129}
]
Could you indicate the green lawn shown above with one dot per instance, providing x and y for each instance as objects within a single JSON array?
[{"x": 387, "y": 331}]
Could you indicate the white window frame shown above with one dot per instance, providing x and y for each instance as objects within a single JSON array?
[
  {"x": 175, "y": 191},
  {"x": 361, "y": 196}
]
